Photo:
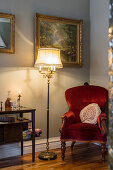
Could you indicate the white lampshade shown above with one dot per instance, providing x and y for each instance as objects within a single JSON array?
[
  {"x": 2, "y": 44},
  {"x": 48, "y": 57}
]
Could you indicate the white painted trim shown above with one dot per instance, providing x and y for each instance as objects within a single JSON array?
[
  {"x": 40, "y": 144},
  {"x": 41, "y": 141}
]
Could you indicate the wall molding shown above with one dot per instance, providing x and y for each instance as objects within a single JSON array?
[{"x": 40, "y": 144}]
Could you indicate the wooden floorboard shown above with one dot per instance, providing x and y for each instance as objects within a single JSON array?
[{"x": 84, "y": 157}]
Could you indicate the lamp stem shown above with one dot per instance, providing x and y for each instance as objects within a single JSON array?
[
  {"x": 47, "y": 147},
  {"x": 48, "y": 155}
]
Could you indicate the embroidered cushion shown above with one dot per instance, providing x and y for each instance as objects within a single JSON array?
[{"x": 90, "y": 113}]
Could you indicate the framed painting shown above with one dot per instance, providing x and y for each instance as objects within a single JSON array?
[
  {"x": 62, "y": 33},
  {"x": 7, "y": 33}
]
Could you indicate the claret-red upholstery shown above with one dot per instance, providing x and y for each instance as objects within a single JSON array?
[{"x": 72, "y": 128}]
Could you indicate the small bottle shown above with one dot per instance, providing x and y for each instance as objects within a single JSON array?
[{"x": 8, "y": 102}]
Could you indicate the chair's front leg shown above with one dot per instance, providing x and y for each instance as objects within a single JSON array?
[
  {"x": 63, "y": 149},
  {"x": 103, "y": 150}
]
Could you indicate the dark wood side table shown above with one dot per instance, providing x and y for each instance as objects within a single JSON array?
[{"x": 17, "y": 125}]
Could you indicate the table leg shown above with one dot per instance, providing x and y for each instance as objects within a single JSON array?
[
  {"x": 33, "y": 136},
  {"x": 22, "y": 140},
  {"x": 22, "y": 146}
]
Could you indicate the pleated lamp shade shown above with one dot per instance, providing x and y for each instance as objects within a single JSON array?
[{"x": 48, "y": 57}]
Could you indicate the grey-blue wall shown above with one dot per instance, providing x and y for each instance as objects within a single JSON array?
[
  {"x": 21, "y": 73},
  {"x": 99, "y": 23}
]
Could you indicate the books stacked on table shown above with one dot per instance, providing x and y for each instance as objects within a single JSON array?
[
  {"x": 8, "y": 118},
  {"x": 27, "y": 134}
]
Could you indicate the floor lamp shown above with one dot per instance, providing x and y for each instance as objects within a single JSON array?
[{"x": 48, "y": 60}]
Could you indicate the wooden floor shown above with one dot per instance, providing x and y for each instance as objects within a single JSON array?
[{"x": 84, "y": 157}]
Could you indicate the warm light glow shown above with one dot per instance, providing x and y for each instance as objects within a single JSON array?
[
  {"x": 48, "y": 57},
  {"x": 110, "y": 30},
  {"x": 40, "y": 68},
  {"x": 19, "y": 91}
]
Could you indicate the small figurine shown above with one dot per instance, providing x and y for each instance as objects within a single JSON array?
[{"x": 8, "y": 102}]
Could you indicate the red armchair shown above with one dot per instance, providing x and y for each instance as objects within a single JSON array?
[{"x": 72, "y": 129}]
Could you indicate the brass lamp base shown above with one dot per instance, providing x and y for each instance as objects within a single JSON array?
[{"x": 47, "y": 155}]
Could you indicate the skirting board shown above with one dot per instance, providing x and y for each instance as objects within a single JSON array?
[
  {"x": 14, "y": 149},
  {"x": 40, "y": 144}
]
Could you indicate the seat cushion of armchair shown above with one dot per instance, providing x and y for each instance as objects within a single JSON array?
[{"x": 83, "y": 132}]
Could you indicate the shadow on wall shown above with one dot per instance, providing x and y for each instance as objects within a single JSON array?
[{"x": 70, "y": 77}]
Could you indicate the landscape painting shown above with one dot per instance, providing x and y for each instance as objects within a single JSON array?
[{"x": 64, "y": 34}]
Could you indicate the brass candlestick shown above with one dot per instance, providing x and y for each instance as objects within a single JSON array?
[{"x": 18, "y": 100}]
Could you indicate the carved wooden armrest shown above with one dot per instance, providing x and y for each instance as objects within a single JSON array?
[
  {"x": 102, "y": 123},
  {"x": 104, "y": 128},
  {"x": 62, "y": 124}
]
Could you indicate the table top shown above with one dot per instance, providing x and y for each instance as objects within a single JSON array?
[
  {"x": 15, "y": 122},
  {"x": 16, "y": 110}
]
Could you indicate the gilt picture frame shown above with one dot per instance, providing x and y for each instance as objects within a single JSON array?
[
  {"x": 62, "y": 33},
  {"x": 7, "y": 33}
]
